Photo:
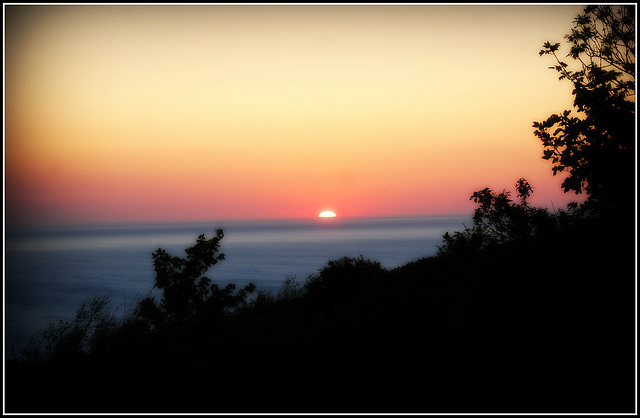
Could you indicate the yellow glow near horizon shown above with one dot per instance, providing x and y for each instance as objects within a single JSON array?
[
  {"x": 327, "y": 214},
  {"x": 172, "y": 112}
]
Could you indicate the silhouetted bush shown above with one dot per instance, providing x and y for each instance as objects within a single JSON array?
[
  {"x": 498, "y": 220},
  {"x": 188, "y": 296}
]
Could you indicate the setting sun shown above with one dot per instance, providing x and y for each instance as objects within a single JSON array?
[
  {"x": 115, "y": 111},
  {"x": 327, "y": 214}
]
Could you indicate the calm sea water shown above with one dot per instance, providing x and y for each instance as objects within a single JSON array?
[{"x": 50, "y": 271}]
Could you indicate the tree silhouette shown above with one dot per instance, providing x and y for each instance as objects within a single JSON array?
[
  {"x": 188, "y": 295},
  {"x": 498, "y": 219},
  {"x": 596, "y": 147}
]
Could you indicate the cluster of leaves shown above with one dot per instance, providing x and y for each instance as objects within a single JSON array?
[
  {"x": 596, "y": 148},
  {"x": 498, "y": 219},
  {"x": 188, "y": 295}
]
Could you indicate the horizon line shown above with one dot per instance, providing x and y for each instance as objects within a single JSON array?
[{"x": 107, "y": 223}]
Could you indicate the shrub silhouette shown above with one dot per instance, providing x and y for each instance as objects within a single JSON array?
[
  {"x": 69, "y": 340},
  {"x": 497, "y": 220},
  {"x": 189, "y": 296}
]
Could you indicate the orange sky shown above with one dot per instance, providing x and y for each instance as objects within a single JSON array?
[{"x": 133, "y": 113}]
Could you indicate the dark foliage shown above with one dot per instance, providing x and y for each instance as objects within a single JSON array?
[
  {"x": 497, "y": 220},
  {"x": 596, "y": 147},
  {"x": 543, "y": 324},
  {"x": 188, "y": 296}
]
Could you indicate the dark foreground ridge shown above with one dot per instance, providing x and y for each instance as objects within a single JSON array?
[{"x": 534, "y": 325}]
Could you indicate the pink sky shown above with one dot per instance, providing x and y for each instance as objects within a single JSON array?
[{"x": 168, "y": 113}]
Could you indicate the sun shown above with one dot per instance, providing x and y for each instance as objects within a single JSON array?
[{"x": 327, "y": 214}]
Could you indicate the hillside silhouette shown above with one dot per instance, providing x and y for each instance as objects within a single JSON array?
[
  {"x": 533, "y": 324},
  {"x": 526, "y": 310}
]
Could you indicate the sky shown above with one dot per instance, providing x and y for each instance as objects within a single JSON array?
[{"x": 129, "y": 113}]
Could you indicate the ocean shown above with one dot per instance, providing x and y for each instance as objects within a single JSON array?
[{"x": 50, "y": 271}]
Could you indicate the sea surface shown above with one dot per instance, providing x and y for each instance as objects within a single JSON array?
[{"x": 50, "y": 271}]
